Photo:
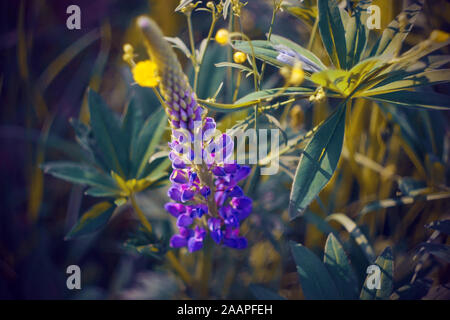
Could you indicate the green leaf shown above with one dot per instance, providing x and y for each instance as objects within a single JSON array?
[
  {"x": 79, "y": 174},
  {"x": 306, "y": 54},
  {"x": 262, "y": 293},
  {"x": 269, "y": 93},
  {"x": 332, "y": 32},
  {"x": 92, "y": 220},
  {"x": 393, "y": 37},
  {"x": 318, "y": 221},
  {"x": 318, "y": 162},
  {"x": 405, "y": 81},
  {"x": 108, "y": 135},
  {"x": 263, "y": 49},
  {"x": 356, "y": 33},
  {"x": 340, "y": 269},
  {"x": 416, "y": 99},
  {"x": 99, "y": 192},
  {"x": 386, "y": 263},
  {"x": 147, "y": 141},
  {"x": 233, "y": 65},
  {"x": 315, "y": 280},
  {"x": 355, "y": 232},
  {"x": 132, "y": 123}
]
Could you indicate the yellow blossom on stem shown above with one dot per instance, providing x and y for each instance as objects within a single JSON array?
[
  {"x": 239, "y": 57},
  {"x": 222, "y": 37},
  {"x": 145, "y": 73}
]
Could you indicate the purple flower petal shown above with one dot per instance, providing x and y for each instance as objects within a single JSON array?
[
  {"x": 178, "y": 176},
  {"x": 194, "y": 244},
  {"x": 242, "y": 173},
  {"x": 175, "y": 209},
  {"x": 178, "y": 241},
  {"x": 235, "y": 191},
  {"x": 174, "y": 193},
  {"x": 187, "y": 195},
  {"x": 184, "y": 220}
]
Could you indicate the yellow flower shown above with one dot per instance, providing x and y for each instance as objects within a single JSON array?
[
  {"x": 295, "y": 75},
  {"x": 239, "y": 57},
  {"x": 145, "y": 73},
  {"x": 439, "y": 36},
  {"x": 222, "y": 37}
]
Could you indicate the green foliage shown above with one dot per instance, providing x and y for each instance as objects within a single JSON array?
[
  {"x": 316, "y": 282},
  {"x": 119, "y": 153},
  {"x": 318, "y": 162},
  {"x": 340, "y": 269},
  {"x": 386, "y": 264}
]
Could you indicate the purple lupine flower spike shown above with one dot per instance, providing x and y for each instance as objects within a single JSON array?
[{"x": 206, "y": 197}]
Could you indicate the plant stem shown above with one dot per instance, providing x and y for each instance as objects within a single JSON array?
[
  {"x": 140, "y": 214},
  {"x": 208, "y": 39},
  {"x": 274, "y": 13},
  {"x": 176, "y": 265},
  {"x": 313, "y": 34}
]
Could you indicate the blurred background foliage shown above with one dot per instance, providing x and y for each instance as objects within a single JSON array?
[{"x": 46, "y": 70}]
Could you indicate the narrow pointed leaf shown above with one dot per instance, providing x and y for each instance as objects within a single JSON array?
[
  {"x": 332, "y": 32},
  {"x": 147, "y": 141},
  {"x": 315, "y": 280},
  {"x": 92, "y": 220},
  {"x": 415, "y": 99},
  {"x": 318, "y": 162},
  {"x": 107, "y": 133},
  {"x": 340, "y": 269},
  {"x": 79, "y": 174},
  {"x": 386, "y": 264}
]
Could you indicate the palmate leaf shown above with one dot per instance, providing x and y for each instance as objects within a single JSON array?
[
  {"x": 318, "y": 162},
  {"x": 92, "y": 220},
  {"x": 340, "y": 269},
  {"x": 332, "y": 32},
  {"x": 386, "y": 263},
  {"x": 346, "y": 81},
  {"x": 108, "y": 135},
  {"x": 316, "y": 282}
]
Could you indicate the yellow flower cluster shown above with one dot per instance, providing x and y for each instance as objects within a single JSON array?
[{"x": 145, "y": 73}]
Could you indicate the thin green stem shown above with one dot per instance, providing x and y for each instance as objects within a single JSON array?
[
  {"x": 202, "y": 56},
  {"x": 313, "y": 34},
  {"x": 140, "y": 214},
  {"x": 276, "y": 7}
]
